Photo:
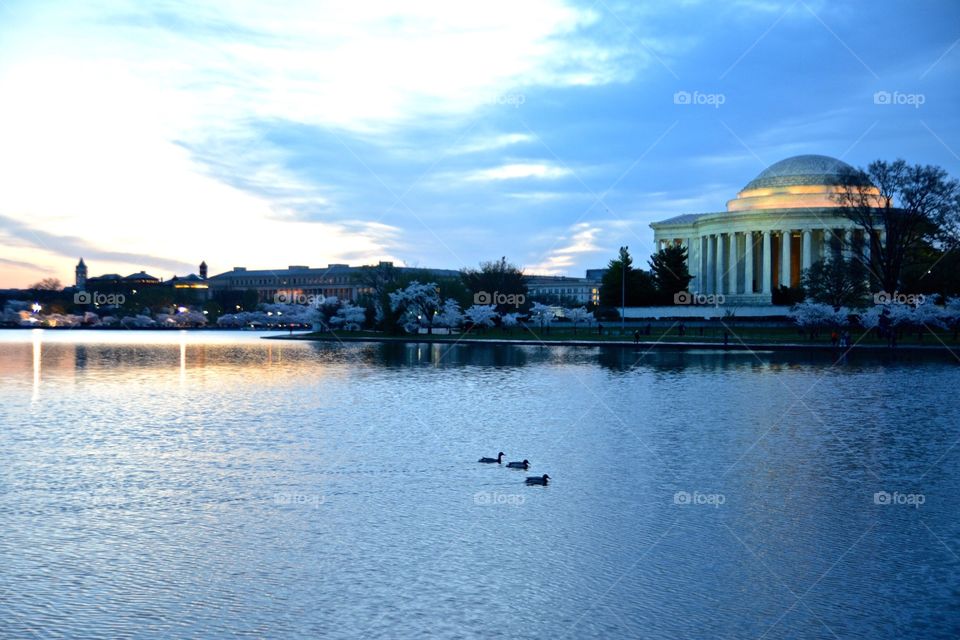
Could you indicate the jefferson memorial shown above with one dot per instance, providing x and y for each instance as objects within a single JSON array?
[{"x": 781, "y": 223}]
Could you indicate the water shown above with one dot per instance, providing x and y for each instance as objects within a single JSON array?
[{"x": 215, "y": 484}]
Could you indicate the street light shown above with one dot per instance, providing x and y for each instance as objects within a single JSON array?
[
  {"x": 623, "y": 289},
  {"x": 36, "y": 307}
]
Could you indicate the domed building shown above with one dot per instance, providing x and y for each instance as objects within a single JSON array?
[{"x": 782, "y": 222}]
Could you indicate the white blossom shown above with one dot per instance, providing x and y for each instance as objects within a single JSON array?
[
  {"x": 450, "y": 315},
  {"x": 481, "y": 315}
]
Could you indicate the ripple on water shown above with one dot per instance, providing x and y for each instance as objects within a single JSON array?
[{"x": 266, "y": 489}]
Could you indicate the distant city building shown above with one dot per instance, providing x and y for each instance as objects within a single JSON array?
[
  {"x": 297, "y": 282},
  {"x": 596, "y": 274},
  {"x": 192, "y": 281},
  {"x": 781, "y": 223},
  {"x": 140, "y": 278},
  {"x": 114, "y": 282},
  {"x": 561, "y": 289}
]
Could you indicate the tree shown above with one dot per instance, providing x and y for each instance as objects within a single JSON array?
[
  {"x": 498, "y": 277},
  {"x": 377, "y": 281},
  {"x": 47, "y": 284},
  {"x": 577, "y": 316},
  {"x": 542, "y": 314},
  {"x": 481, "y": 315},
  {"x": 909, "y": 203},
  {"x": 450, "y": 315},
  {"x": 416, "y": 305},
  {"x": 350, "y": 317},
  {"x": 813, "y": 316},
  {"x": 213, "y": 309},
  {"x": 509, "y": 320},
  {"x": 640, "y": 289},
  {"x": 836, "y": 282},
  {"x": 669, "y": 270}
]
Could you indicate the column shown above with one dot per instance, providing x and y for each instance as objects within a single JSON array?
[
  {"x": 748, "y": 262},
  {"x": 701, "y": 269},
  {"x": 807, "y": 251},
  {"x": 847, "y": 244},
  {"x": 785, "y": 258},
  {"x": 711, "y": 251},
  {"x": 718, "y": 265},
  {"x": 732, "y": 251},
  {"x": 867, "y": 247},
  {"x": 766, "y": 276},
  {"x": 691, "y": 263}
]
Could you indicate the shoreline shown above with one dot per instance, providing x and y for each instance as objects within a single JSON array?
[{"x": 625, "y": 344}]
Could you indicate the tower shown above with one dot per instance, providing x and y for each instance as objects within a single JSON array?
[
  {"x": 81, "y": 275},
  {"x": 203, "y": 270}
]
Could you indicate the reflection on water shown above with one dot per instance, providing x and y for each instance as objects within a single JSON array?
[{"x": 204, "y": 484}]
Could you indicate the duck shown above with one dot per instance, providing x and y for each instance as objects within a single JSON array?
[
  {"x": 498, "y": 459},
  {"x": 538, "y": 480},
  {"x": 519, "y": 465}
]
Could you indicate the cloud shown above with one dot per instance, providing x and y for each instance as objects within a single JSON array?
[
  {"x": 357, "y": 66},
  {"x": 184, "y": 129},
  {"x": 71, "y": 246},
  {"x": 581, "y": 240},
  {"x": 492, "y": 143},
  {"x": 517, "y": 171},
  {"x": 20, "y": 264}
]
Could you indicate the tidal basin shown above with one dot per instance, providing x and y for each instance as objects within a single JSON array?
[{"x": 215, "y": 484}]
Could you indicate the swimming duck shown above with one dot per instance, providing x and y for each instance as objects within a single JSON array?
[
  {"x": 498, "y": 459},
  {"x": 519, "y": 465},
  {"x": 538, "y": 480}
]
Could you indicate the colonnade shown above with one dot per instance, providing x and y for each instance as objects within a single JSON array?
[{"x": 757, "y": 262}]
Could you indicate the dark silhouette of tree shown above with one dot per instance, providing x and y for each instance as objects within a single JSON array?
[
  {"x": 836, "y": 282},
  {"x": 912, "y": 204},
  {"x": 670, "y": 274},
  {"x": 498, "y": 276},
  {"x": 47, "y": 284},
  {"x": 640, "y": 288}
]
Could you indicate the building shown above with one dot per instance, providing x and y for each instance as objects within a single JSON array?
[
  {"x": 563, "y": 289},
  {"x": 780, "y": 223},
  {"x": 298, "y": 282},
  {"x": 116, "y": 283},
  {"x": 80, "y": 274}
]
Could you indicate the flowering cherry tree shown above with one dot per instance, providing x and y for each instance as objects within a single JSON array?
[
  {"x": 416, "y": 305},
  {"x": 542, "y": 314},
  {"x": 509, "y": 320},
  {"x": 814, "y": 315},
  {"x": 576, "y": 316},
  {"x": 450, "y": 315},
  {"x": 349, "y": 316}
]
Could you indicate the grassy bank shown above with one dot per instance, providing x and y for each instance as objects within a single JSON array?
[{"x": 737, "y": 337}]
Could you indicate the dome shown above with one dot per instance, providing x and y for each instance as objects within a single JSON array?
[{"x": 798, "y": 182}]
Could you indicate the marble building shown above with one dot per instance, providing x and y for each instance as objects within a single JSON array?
[{"x": 780, "y": 223}]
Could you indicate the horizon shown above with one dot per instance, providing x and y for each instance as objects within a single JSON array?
[{"x": 146, "y": 138}]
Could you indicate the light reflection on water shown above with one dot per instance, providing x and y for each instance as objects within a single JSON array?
[{"x": 202, "y": 484}]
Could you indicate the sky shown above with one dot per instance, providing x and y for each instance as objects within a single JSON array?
[{"x": 436, "y": 133}]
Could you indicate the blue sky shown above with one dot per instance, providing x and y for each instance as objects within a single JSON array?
[{"x": 155, "y": 135}]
